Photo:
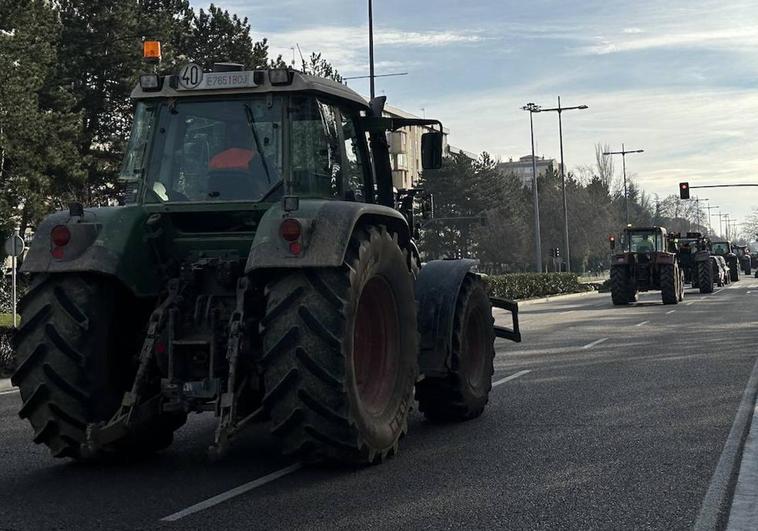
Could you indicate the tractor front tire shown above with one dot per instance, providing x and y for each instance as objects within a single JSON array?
[
  {"x": 705, "y": 276},
  {"x": 464, "y": 392},
  {"x": 75, "y": 364},
  {"x": 621, "y": 291},
  {"x": 340, "y": 354},
  {"x": 670, "y": 283}
]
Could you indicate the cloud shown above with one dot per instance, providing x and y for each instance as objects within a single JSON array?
[{"x": 732, "y": 38}]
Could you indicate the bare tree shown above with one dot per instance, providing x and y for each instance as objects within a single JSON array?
[{"x": 604, "y": 164}]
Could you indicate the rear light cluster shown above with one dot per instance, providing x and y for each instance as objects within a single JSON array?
[
  {"x": 60, "y": 236},
  {"x": 291, "y": 232}
]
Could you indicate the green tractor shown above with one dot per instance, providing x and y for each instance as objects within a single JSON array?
[
  {"x": 644, "y": 264},
  {"x": 723, "y": 248},
  {"x": 258, "y": 270},
  {"x": 743, "y": 255}
]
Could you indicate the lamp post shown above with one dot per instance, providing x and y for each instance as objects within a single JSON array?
[
  {"x": 560, "y": 110},
  {"x": 371, "y": 46},
  {"x": 532, "y": 108},
  {"x": 623, "y": 154}
]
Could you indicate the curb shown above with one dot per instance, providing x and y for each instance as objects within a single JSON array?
[
  {"x": 716, "y": 506},
  {"x": 5, "y": 384},
  {"x": 551, "y": 298}
]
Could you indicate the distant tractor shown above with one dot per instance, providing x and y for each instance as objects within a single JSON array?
[
  {"x": 643, "y": 264},
  {"x": 691, "y": 250},
  {"x": 723, "y": 248},
  {"x": 743, "y": 254},
  {"x": 259, "y": 270}
]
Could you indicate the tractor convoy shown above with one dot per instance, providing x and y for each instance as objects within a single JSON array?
[
  {"x": 260, "y": 271},
  {"x": 262, "y": 268}
]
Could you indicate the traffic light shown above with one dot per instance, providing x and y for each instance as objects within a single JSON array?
[
  {"x": 557, "y": 252},
  {"x": 612, "y": 242},
  {"x": 684, "y": 190}
]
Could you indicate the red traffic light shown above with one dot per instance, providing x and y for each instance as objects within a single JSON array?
[{"x": 684, "y": 190}]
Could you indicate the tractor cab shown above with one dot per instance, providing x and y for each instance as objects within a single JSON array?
[{"x": 644, "y": 240}]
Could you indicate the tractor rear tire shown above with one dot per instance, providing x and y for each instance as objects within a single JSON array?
[
  {"x": 705, "y": 276},
  {"x": 734, "y": 271},
  {"x": 621, "y": 291},
  {"x": 340, "y": 354},
  {"x": 670, "y": 283},
  {"x": 464, "y": 392},
  {"x": 75, "y": 364}
]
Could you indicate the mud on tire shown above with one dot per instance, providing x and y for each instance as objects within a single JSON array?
[
  {"x": 464, "y": 392},
  {"x": 340, "y": 354},
  {"x": 74, "y": 363}
]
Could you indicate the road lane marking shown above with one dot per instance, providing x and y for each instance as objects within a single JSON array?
[
  {"x": 9, "y": 391},
  {"x": 229, "y": 494},
  {"x": 689, "y": 303},
  {"x": 511, "y": 377},
  {"x": 714, "y": 503},
  {"x": 594, "y": 343},
  {"x": 670, "y": 312},
  {"x": 642, "y": 323}
]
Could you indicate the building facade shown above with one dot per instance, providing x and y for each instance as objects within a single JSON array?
[{"x": 522, "y": 168}]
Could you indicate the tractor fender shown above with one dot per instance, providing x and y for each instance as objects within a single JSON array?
[
  {"x": 702, "y": 256},
  {"x": 437, "y": 288},
  {"x": 105, "y": 240},
  {"x": 326, "y": 230}
]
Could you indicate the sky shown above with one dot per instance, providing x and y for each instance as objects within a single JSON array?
[{"x": 675, "y": 78}]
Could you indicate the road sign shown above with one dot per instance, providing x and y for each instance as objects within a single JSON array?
[
  {"x": 190, "y": 76},
  {"x": 14, "y": 246}
]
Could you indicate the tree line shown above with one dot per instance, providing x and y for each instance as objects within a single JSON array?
[
  {"x": 481, "y": 212},
  {"x": 67, "y": 68}
]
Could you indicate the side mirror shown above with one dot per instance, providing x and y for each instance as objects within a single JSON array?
[{"x": 431, "y": 151}]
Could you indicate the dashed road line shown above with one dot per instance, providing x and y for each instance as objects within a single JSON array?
[
  {"x": 595, "y": 343},
  {"x": 670, "y": 312},
  {"x": 689, "y": 303},
  {"x": 511, "y": 377},
  {"x": 232, "y": 493},
  {"x": 9, "y": 391},
  {"x": 642, "y": 323}
]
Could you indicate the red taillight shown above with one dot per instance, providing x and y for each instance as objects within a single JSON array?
[
  {"x": 60, "y": 235},
  {"x": 291, "y": 230},
  {"x": 296, "y": 248}
]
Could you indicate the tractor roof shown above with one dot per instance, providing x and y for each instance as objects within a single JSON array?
[
  {"x": 646, "y": 229},
  {"x": 245, "y": 82}
]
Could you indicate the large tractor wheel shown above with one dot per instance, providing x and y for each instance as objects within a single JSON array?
[
  {"x": 76, "y": 352},
  {"x": 705, "y": 276},
  {"x": 464, "y": 392},
  {"x": 670, "y": 285},
  {"x": 341, "y": 354},
  {"x": 622, "y": 290},
  {"x": 734, "y": 270}
]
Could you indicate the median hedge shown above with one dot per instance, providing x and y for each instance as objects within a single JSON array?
[{"x": 533, "y": 285}]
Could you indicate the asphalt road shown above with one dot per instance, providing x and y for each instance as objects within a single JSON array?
[{"x": 618, "y": 424}]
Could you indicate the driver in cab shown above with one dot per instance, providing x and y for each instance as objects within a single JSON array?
[
  {"x": 238, "y": 171},
  {"x": 645, "y": 245}
]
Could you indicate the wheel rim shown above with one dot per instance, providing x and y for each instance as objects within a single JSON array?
[
  {"x": 375, "y": 346},
  {"x": 474, "y": 343}
]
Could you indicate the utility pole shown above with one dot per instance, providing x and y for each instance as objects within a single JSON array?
[
  {"x": 560, "y": 110},
  {"x": 623, "y": 154},
  {"x": 709, "y": 207},
  {"x": 371, "y": 47},
  {"x": 532, "y": 108}
]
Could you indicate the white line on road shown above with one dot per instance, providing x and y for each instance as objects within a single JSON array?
[
  {"x": 511, "y": 377},
  {"x": 9, "y": 391},
  {"x": 642, "y": 323},
  {"x": 689, "y": 303},
  {"x": 236, "y": 491},
  {"x": 594, "y": 343},
  {"x": 670, "y": 312}
]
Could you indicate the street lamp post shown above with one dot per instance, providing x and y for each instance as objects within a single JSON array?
[
  {"x": 371, "y": 46},
  {"x": 560, "y": 110},
  {"x": 623, "y": 154},
  {"x": 532, "y": 108},
  {"x": 709, "y": 208}
]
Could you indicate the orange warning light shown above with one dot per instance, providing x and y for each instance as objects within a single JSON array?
[{"x": 151, "y": 51}]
